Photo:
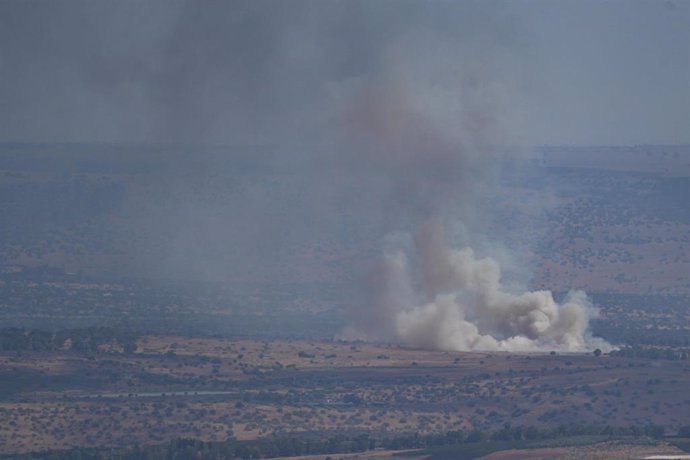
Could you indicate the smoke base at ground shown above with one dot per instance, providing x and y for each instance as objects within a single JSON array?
[{"x": 429, "y": 295}]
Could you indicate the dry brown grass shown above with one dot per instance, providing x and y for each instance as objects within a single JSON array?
[
  {"x": 442, "y": 391},
  {"x": 603, "y": 451}
]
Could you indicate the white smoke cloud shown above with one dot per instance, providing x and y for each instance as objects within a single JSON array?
[{"x": 432, "y": 296}]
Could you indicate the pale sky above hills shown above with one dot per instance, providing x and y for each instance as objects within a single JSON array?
[{"x": 578, "y": 72}]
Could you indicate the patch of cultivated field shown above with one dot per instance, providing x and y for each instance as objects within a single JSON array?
[{"x": 614, "y": 450}]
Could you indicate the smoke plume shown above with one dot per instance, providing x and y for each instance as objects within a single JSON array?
[
  {"x": 427, "y": 294},
  {"x": 386, "y": 120},
  {"x": 437, "y": 128}
]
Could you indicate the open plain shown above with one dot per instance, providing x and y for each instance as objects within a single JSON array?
[{"x": 212, "y": 388}]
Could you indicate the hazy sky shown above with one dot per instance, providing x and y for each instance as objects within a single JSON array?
[{"x": 569, "y": 72}]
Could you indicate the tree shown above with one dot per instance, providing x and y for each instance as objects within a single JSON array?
[{"x": 597, "y": 352}]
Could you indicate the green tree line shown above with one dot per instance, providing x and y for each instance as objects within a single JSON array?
[{"x": 82, "y": 340}]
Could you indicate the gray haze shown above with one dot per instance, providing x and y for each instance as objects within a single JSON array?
[
  {"x": 224, "y": 72},
  {"x": 408, "y": 109}
]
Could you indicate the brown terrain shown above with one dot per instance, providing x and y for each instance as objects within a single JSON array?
[
  {"x": 213, "y": 389},
  {"x": 236, "y": 324}
]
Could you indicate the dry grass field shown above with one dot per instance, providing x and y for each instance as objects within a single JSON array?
[
  {"x": 603, "y": 451},
  {"x": 213, "y": 389}
]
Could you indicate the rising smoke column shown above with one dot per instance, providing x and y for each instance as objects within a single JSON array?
[
  {"x": 431, "y": 127},
  {"x": 427, "y": 294}
]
